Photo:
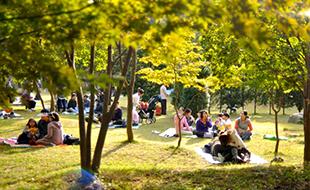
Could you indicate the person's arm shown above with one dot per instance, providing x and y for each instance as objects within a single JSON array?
[
  {"x": 184, "y": 123},
  {"x": 237, "y": 124},
  {"x": 250, "y": 127},
  {"x": 209, "y": 123},
  {"x": 228, "y": 124},
  {"x": 49, "y": 131}
]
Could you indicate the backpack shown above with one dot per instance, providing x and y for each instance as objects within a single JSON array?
[{"x": 70, "y": 140}]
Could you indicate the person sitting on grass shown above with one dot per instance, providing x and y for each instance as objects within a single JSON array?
[
  {"x": 54, "y": 131},
  {"x": 86, "y": 103},
  {"x": 117, "y": 117},
  {"x": 244, "y": 126},
  {"x": 180, "y": 122},
  {"x": 30, "y": 133},
  {"x": 72, "y": 104},
  {"x": 189, "y": 118},
  {"x": 43, "y": 122},
  {"x": 219, "y": 123},
  {"x": 28, "y": 101},
  {"x": 203, "y": 125},
  {"x": 226, "y": 122}
]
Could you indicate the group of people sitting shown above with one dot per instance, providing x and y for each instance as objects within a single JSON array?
[
  {"x": 204, "y": 127},
  {"x": 47, "y": 131},
  {"x": 227, "y": 144},
  {"x": 72, "y": 106}
]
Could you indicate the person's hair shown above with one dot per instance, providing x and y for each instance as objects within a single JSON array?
[
  {"x": 226, "y": 114},
  {"x": 54, "y": 116},
  {"x": 220, "y": 115},
  {"x": 245, "y": 113},
  {"x": 31, "y": 119},
  {"x": 188, "y": 110},
  {"x": 140, "y": 90},
  {"x": 44, "y": 111},
  {"x": 73, "y": 94},
  {"x": 201, "y": 113}
]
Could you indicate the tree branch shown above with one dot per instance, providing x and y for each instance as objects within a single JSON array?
[{"x": 44, "y": 15}]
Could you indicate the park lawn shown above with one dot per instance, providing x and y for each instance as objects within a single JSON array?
[{"x": 152, "y": 161}]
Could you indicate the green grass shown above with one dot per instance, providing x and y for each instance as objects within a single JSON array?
[{"x": 152, "y": 162}]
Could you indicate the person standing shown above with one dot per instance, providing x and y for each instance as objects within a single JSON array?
[
  {"x": 163, "y": 95},
  {"x": 135, "y": 104}
]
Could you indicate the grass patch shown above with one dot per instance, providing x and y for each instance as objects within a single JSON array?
[{"x": 152, "y": 162}]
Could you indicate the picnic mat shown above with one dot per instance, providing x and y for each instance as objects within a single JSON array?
[
  {"x": 273, "y": 137},
  {"x": 12, "y": 142},
  {"x": 255, "y": 159},
  {"x": 170, "y": 132},
  {"x": 120, "y": 126}
]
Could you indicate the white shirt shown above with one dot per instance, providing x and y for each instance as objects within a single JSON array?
[
  {"x": 163, "y": 92},
  {"x": 135, "y": 100}
]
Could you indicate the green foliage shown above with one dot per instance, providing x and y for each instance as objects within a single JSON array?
[{"x": 190, "y": 98}]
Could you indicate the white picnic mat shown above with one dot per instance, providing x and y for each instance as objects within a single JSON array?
[
  {"x": 171, "y": 131},
  {"x": 255, "y": 159}
]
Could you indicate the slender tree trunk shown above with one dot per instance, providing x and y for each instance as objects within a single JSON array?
[
  {"x": 276, "y": 111},
  {"x": 91, "y": 109},
  {"x": 70, "y": 55},
  {"x": 130, "y": 90},
  {"x": 255, "y": 102},
  {"x": 220, "y": 101},
  {"x": 52, "y": 108},
  {"x": 270, "y": 107},
  {"x": 108, "y": 116},
  {"x": 277, "y": 135},
  {"x": 283, "y": 106},
  {"x": 39, "y": 95},
  {"x": 307, "y": 110}
]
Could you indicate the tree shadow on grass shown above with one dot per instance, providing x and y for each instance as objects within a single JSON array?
[
  {"x": 6, "y": 149},
  {"x": 219, "y": 177},
  {"x": 120, "y": 146}
]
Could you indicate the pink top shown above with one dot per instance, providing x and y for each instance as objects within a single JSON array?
[{"x": 184, "y": 124}]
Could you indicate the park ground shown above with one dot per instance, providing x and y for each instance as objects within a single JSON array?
[{"x": 152, "y": 162}]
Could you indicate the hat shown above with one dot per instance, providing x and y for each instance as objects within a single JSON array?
[{"x": 44, "y": 112}]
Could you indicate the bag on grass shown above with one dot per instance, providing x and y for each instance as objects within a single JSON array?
[{"x": 70, "y": 140}]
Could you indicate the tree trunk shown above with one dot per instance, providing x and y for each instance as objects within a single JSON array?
[
  {"x": 307, "y": 110},
  {"x": 91, "y": 109},
  {"x": 52, "y": 107},
  {"x": 130, "y": 90},
  {"x": 277, "y": 134},
  {"x": 108, "y": 116},
  {"x": 39, "y": 95},
  {"x": 283, "y": 106},
  {"x": 255, "y": 103},
  {"x": 276, "y": 111},
  {"x": 270, "y": 107},
  {"x": 220, "y": 102},
  {"x": 79, "y": 92}
]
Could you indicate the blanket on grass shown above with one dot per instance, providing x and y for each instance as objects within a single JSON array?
[
  {"x": 255, "y": 159},
  {"x": 120, "y": 126},
  {"x": 12, "y": 142},
  {"x": 170, "y": 132}
]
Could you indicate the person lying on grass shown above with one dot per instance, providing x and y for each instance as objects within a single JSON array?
[
  {"x": 30, "y": 133},
  {"x": 228, "y": 147},
  {"x": 54, "y": 131}
]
